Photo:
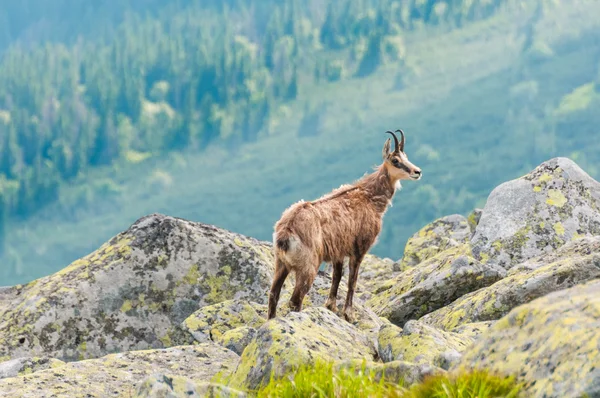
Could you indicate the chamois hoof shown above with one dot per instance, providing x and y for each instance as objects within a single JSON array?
[{"x": 349, "y": 315}]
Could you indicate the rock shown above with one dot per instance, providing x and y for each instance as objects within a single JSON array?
[
  {"x": 474, "y": 329},
  {"x": 134, "y": 292},
  {"x": 233, "y": 323},
  {"x": 495, "y": 301},
  {"x": 211, "y": 322},
  {"x": 442, "y": 234},
  {"x": 237, "y": 339},
  {"x": 537, "y": 213},
  {"x": 168, "y": 386},
  {"x": 473, "y": 219},
  {"x": 393, "y": 372},
  {"x": 421, "y": 344},
  {"x": 22, "y": 366},
  {"x": 284, "y": 343},
  {"x": 372, "y": 273},
  {"x": 435, "y": 283},
  {"x": 552, "y": 344},
  {"x": 120, "y": 374}
]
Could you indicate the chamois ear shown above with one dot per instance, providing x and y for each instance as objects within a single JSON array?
[{"x": 386, "y": 149}]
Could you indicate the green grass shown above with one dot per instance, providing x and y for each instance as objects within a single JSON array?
[{"x": 322, "y": 380}]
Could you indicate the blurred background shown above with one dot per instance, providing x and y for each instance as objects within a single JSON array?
[{"x": 228, "y": 111}]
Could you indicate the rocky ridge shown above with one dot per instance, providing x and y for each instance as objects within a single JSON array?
[{"x": 173, "y": 308}]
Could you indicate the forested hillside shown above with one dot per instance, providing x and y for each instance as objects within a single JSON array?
[{"x": 94, "y": 96}]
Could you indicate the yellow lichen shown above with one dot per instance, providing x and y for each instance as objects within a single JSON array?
[
  {"x": 559, "y": 229},
  {"x": 126, "y": 306},
  {"x": 556, "y": 198}
]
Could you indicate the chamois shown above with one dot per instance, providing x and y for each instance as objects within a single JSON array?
[{"x": 343, "y": 223}]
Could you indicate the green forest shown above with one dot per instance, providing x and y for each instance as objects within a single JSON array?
[{"x": 94, "y": 95}]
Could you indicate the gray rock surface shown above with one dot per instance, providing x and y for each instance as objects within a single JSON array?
[
  {"x": 537, "y": 213},
  {"x": 134, "y": 291}
]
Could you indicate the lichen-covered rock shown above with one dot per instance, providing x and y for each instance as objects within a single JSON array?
[
  {"x": 396, "y": 372},
  {"x": 211, "y": 322},
  {"x": 473, "y": 219},
  {"x": 120, "y": 374},
  {"x": 25, "y": 365},
  {"x": 433, "y": 284},
  {"x": 421, "y": 344},
  {"x": 237, "y": 339},
  {"x": 134, "y": 292},
  {"x": 284, "y": 343},
  {"x": 474, "y": 329},
  {"x": 373, "y": 272},
  {"x": 495, "y": 301},
  {"x": 537, "y": 213},
  {"x": 552, "y": 344},
  {"x": 169, "y": 386},
  {"x": 442, "y": 234}
]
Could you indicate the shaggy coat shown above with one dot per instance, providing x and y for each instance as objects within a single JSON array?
[{"x": 343, "y": 223}]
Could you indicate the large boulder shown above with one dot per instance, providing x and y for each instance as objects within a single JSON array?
[
  {"x": 434, "y": 238},
  {"x": 421, "y": 344},
  {"x": 134, "y": 291},
  {"x": 575, "y": 263},
  {"x": 284, "y": 343},
  {"x": 537, "y": 213},
  {"x": 121, "y": 374},
  {"x": 433, "y": 284},
  {"x": 552, "y": 344}
]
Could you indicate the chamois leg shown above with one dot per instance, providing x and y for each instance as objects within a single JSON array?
[
  {"x": 352, "y": 277},
  {"x": 281, "y": 273},
  {"x": 304, "y": 281},
  {"x": 338, "y": 269}
]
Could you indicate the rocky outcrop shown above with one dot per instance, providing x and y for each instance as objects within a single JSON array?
[
  {"x": 575, "y": 263},
  {"x": 513, "y": 289},
  {"x": 434, "y": 238},
  {"x": 285, "y": 343},
  {"x": 435, "y": 283},
  {"x": 537, "y": 213},
  {"x": 552, "y": 344},
  {"x": 120, "y": 374},
  {"x": 134, "y": 291},
  {"x": 421, "y": 344}
]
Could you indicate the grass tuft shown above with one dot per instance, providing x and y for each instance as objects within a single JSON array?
[{"x": 323, "y": 380}]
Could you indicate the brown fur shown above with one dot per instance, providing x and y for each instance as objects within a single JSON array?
[{"x": 343, "y": 223}]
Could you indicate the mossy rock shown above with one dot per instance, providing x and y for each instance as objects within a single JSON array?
[
  {"x": 435, "y": 283},
  {"x": 552, "y": 344},
  {"x": 421, "y": 344},
  {"x": 570, "y": 267},
  {"x": 169, "y": 386},
  {"x": 134, "y": 292},
  {"x": 27, "y": 365},
  {"x": 473, "y": 219},
  {"x": 211, "y": 322},
  {"x": 442, "y": 234},
  {"x": 372, "y": 273},
  {"x": 474, "y": 329},
  {"x": 284, "y": 343},
  {"x": 237, "y": 339},
  {"x": 121, "y": 374},
  {"x": 395, "y": 372},
  {"x": 537, "y": 213}
]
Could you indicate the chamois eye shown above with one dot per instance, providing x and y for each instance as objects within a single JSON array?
[{"x": 395, "y": 161}]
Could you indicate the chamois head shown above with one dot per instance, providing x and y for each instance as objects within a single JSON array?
[{"x": 396, "y": 161}]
